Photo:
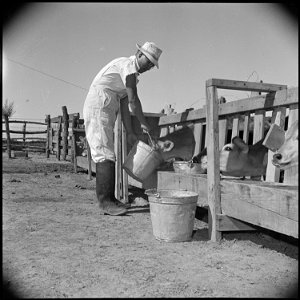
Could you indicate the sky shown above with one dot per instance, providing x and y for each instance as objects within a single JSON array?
[{"x": 52, "y": 51}]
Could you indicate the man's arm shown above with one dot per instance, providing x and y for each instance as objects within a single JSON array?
[
  {"x": 126, "y": 118},
  {"x": 134, "y": 101}
]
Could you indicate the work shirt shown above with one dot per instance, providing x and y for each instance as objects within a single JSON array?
[
  {"x": 113, "y": 75},
  {"x": 102, "y": 104}
]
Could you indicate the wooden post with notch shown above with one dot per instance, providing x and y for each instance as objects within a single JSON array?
[
  {"x": 74, "y": 159},
  {"x": 65, "y": 132},
  {"x": 213, "y": 166},
  {"x": 58, "y": 137},
  {"x": 48, "y": 122}
]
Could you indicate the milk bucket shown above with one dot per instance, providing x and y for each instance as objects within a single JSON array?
[
  {"x": 172, "y": 214},
  {"x": 141, "y": 161}
]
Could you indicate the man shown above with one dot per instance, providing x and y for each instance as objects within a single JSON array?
[{"x": 113, "y": 87}]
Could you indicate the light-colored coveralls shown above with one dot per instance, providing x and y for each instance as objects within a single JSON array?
[{"x": 102, "y": 104}]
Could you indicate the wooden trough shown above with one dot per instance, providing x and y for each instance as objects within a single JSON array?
[
  {"x": 237, "y": 204},
  {"x": 233, "y": 204}
]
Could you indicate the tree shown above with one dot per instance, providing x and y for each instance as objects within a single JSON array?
[
  {"x": 8, "y": 109},
  {"x": 7, "y": 112}
]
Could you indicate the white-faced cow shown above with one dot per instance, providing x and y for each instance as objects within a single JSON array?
[
  {"x": 287, "y": 155},
  {"x": 239, "y": 159}
]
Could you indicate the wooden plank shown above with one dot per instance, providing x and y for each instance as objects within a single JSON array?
[
  {"x": 246, "y": 127},
  {"x": 265, "y": 102},
  {"x": 274, "y": 207},
  {"x": 226, "y": 223},
  {"x": 223, "y": 131},
  {"x": 291, "y": 174},
  {"x": 48, "y": 122},
  {"x": 258, "y": 129},
  {"x": 65, "y": 120},
  {"x": 124, "y": 174},
  {"x": 191, "y": 182},
  {"x": 198, "y": 133},
  {"x": 58, "y": 138},
  {"x": 213, "y": 165},
  {"x": 28, "y": 132},
  {"x": 235, "y": 127},
  {"x": 244, "y": 85},
  {"x": 118, "y": 151}
]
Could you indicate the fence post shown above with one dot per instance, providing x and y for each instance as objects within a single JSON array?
[
  {"x": 65, "y": 132},
  {"x": 74, "y": 160},
  {"x": 48, "y": 122},
  {"x": 7, "y": 135},
  {"x": 58, "y": 137},
  {"x": 24, "y": 134}
]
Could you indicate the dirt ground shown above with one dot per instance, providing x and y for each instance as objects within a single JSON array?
[{"x": 56, "y": 245}]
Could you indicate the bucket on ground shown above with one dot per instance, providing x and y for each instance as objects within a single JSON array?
[
  {"x": 141, "y": 161},
  {"x": 172, "y": 214}
]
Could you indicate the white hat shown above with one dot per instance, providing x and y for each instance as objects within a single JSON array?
[{"x": 152, "y": 52}]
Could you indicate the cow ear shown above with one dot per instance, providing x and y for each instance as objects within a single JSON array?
[{"x": 240, "y": 144}]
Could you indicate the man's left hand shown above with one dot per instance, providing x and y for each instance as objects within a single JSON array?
[{"x": 131, "y": 138}]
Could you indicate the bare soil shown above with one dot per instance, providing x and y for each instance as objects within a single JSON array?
[{"x": 57, "y": 245}]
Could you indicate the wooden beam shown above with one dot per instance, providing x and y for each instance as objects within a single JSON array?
[
  {"x": 65, "y": 120},
  {"x": 226, "y": 223},
  {"x": 265, "y": 102},
  {"x": 213, "y": 165},
  {"x": 58, "y": 137},
  {"x": 48, "y": 122},
  {"x": 190, "y": 182},
  {"x": 123, "y": 172},
  {"x": 244, "y": 85},
  {"x": 269, "y": 205}
]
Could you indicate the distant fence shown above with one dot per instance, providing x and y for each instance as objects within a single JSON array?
[
  {"x": 55, "y": 139},
  {"x": 26, "y": 140},
  {"x": 60, "y": 132}
]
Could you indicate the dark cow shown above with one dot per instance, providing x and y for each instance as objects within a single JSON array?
[{"x": 239, "y": 159}]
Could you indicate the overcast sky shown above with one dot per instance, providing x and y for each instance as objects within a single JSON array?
[{"x": 52, "y": 51}]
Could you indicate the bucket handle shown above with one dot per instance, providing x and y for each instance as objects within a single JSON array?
[{"x": 154, "y": 145}]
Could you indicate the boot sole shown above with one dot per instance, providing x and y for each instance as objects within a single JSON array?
[{"x": 115, "y": 214}]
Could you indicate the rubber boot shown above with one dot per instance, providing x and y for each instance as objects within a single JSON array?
[
  {"x": 105, "y": 187},
  {"x": 113, "y": 179}
]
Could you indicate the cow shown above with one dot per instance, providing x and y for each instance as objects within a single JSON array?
[
  {"x": 287, "y": 155},
  {"x": 238, "y": 159}
]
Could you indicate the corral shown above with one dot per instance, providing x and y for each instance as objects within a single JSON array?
[
  {"x": 56, "y": 245},
  {"x": 233, "y": 204}
]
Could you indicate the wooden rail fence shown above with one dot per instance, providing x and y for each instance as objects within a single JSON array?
[{"x": 24, "y": 143}]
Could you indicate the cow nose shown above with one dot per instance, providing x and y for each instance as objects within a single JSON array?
[{"x": 277, "y": 156}]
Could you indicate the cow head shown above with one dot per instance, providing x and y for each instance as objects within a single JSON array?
[
  {"x": 239, "y": 159},
  {"x": 287, "y": 155}
]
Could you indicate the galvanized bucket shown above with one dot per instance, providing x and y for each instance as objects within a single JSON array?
[
  {"x": 172, "y": 214},
  {"x": 141, "y": 161},
  {"x": 188, "y": 167}
]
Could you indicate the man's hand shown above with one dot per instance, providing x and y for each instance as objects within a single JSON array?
[
  {"x": 145, "y": 128},
  {"x": 131, "y": 138}
]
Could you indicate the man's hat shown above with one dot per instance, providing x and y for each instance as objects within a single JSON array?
[{"x": 152, "y": 52}]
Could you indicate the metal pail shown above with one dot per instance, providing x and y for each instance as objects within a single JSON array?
[
  {"x": 141, "y": 161},
  {"x": 172, "y": 214}
]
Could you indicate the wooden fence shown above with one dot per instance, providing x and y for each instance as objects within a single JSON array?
[
  {"x": 235, "y": 204},
  {"x": 60, "y": 130},
  {"x": 26, "y": 142}
]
